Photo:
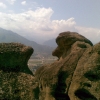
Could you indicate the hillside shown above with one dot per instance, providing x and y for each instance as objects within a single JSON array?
[{"x": 7, "y": 36}]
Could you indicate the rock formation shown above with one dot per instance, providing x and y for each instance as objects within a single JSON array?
[
  {"x": 16, "y": 80},
  {"x": 85, "y": 84},
  {"x": 75, "y": 75},
  {"x": 14, "y": 57}
]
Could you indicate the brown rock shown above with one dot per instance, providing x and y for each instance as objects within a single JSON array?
[
  {"x": 14, "y": 57},
  {"x": 85, "y": 83},
  {"x": 16, "y": 80},
  {"x": 17, "y": 86},
  {"x": 65, "y": 40},
  {"x": 55, "y": 79}
]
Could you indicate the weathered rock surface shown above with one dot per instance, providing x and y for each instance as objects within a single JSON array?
[
  {"x": 14, "y": 57},
  {"x": 17, "y": 86},
  {"x": 55, "y": 79},
  {"x": 85, "y": 84},
  {"x": 65, "y": 40},
  {"x": 16, "y": 80}
]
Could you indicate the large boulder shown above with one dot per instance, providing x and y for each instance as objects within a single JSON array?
[
  {"x": 85, "y": 84},
  {"x": 14, "y": 57},
  {"x": 65, "y": 40},
  {"x": 55, "y": 79},
  {"x": 16, "y": 80}
]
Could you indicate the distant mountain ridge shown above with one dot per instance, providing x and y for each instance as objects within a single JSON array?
[
  {"x": 51, "y": 43},
  {"x": 7, "y": 36}
]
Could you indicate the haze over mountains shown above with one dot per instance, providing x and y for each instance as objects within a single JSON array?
[
  {"x": 7, "y": 36},
  {"x": 51, "y": 43}
]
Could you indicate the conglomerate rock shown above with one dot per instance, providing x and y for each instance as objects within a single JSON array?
[
  {"x": 55, "y": 79},
  {"x": 16, "y": 80}
]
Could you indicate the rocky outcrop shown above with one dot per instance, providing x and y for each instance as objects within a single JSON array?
[
  {"x": 16, "y": 80},
  {"x": 65, "y": 40},
  {"x": 85, "y": 84},
  {"x": 75, "y": 75},
  {"x": 14, "y": 57},
  {"x": 17, "y": 86}
]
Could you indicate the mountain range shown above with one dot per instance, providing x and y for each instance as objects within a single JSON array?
[
  {"x": 51, "y": 43},
  {"x": 7, "y": 36}
]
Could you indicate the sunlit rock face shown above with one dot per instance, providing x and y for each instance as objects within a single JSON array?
[
  {"x": 55, "y": 79},
  {"x": 16, "y": 80},
  {"x": 85, "y": 84},
  {"x": 65, "y": 40}
]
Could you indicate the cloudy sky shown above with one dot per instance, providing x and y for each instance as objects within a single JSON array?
[{"x": 41, "y": 20}]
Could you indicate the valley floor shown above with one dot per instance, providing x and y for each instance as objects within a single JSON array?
[{"x": 34, "y": 64}]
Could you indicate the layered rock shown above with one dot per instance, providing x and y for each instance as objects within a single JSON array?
[
  {"x": 16, "y": 80},
  {"x": 55, "y": 79}
]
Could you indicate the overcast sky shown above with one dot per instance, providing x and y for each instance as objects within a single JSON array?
[{"x": 42, "y": 20}]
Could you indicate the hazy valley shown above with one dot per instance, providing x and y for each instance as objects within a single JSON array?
[{"x": 45, "y": 50}]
